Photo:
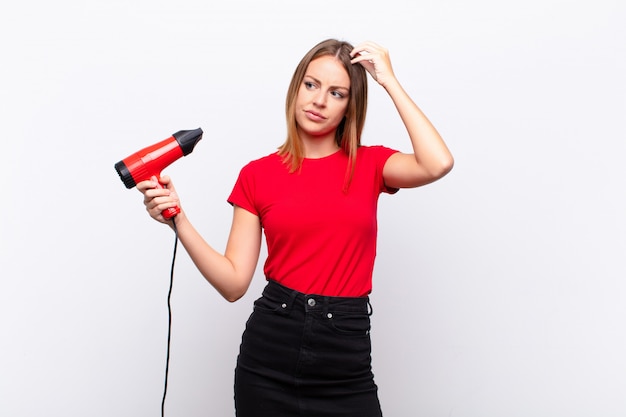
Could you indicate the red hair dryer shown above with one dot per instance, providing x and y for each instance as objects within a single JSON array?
[{"x": 150, "y": 161}]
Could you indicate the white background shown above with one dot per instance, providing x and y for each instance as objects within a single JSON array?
[{"x": 498, "y": 291}]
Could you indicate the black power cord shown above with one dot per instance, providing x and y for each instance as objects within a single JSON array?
[{"x": 169, "y": 318}]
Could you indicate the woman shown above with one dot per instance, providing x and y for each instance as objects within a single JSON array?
[{"x": 306, "y": 347}]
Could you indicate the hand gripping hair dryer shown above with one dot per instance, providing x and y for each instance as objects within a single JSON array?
[{"x": 150, "y": 161}]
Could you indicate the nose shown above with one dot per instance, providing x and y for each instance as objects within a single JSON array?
[{"x": 320, "y": 99}]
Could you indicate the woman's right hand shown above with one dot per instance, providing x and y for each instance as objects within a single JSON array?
[{"x": 156, "y": 199}]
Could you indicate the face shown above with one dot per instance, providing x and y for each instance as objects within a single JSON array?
[{"x": 322, "y": 98}]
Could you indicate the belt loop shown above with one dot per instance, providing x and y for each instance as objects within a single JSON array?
[
  {"x": 292, "y": 297},
  {"x": 370, "y": 309},
  {"x": 325, "y": 308}
]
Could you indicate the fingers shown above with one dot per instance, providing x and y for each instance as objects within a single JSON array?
[
  {"x": 164, "y": 182},
  {"x": 375, "y": 59},
  {"x": 156, "y": 205},
  {"x": 368, "y": 51},
  {"x": 143, "y": 186},
  {"x": 158, "y": 196}
]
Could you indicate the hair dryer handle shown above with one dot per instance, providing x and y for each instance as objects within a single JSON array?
[{"x": 171, "y": 212}]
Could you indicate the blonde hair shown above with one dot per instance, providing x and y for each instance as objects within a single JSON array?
[{"x": 348, "y": 134}]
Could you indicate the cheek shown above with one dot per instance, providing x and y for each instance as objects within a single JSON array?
[
  {"x": 341, "y": 111},
  {"x": 302, "y": 95}
]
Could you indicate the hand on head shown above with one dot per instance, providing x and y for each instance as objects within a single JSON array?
[{"x": 375, "y": 59}]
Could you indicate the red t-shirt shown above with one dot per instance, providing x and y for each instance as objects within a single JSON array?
[{"x": 320, "y": 238}]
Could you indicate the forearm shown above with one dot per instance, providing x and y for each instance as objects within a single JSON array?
[{"x": 220, "y": 271}]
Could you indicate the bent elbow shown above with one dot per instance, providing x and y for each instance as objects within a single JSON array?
[
  {"x": 440, "y": 169},
  {"x": 231, "y": 298},
  {"x": 235, "y": 293},
  {"x": 446, "y": 166}
]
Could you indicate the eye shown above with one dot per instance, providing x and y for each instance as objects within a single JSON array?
[
  {"x": 309, "y": 85},
  {"x": 337, "y": 94}
]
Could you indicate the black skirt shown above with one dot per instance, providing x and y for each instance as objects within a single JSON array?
[{"x": 306, "y": 355}]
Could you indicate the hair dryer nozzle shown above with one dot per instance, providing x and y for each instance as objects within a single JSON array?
[
  {"x": 125, "y": 175},
  {"x": 187, "y": 139}
]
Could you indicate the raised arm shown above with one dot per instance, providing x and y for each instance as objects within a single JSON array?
[
  {"x": 230, "y": 273},
  {"x": 431, "y": 158}
]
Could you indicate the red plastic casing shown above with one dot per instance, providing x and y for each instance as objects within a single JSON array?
[{"x": 150, "y": 161}]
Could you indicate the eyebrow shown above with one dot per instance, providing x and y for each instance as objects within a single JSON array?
[{"x": 332, "y": 86}]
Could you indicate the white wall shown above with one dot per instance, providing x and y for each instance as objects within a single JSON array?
[{"x": 499, "y": 291}]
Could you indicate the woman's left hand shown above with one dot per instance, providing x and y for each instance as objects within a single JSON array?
[{"x": 375, "y": 59}]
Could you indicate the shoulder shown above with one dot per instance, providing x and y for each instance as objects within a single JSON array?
[
  {"x": 375, "y": 150},
  {"x": 267, "y": 159},
  {"x": 268, "y": 167},
  {"x": 263, "y": 162},
  {"x": 376, "y": 153}
]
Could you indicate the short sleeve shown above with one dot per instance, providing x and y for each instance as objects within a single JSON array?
[
  {"x": 382, "y": 154},
  {"x": 243, "y": 192}
]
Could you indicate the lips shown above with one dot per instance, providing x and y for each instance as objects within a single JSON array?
[{"x": 315, "y": 116}]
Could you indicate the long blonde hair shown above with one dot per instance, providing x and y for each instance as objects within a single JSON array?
[{"x": 348, "y": 133}]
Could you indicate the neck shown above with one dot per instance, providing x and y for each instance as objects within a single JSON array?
[{"x": 319, "y": 147}]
